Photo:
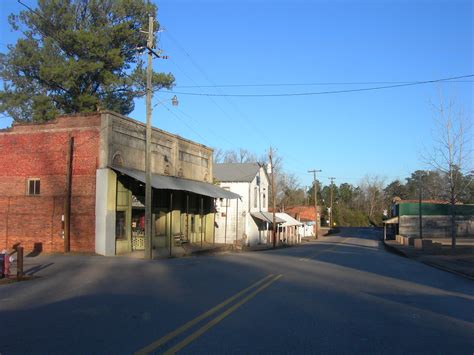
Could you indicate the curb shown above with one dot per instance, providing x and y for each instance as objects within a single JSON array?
[
  {"x": 455, "y": 272},
  {"x": 394, "y": 250},
  {"x": 217, "y": 250},
  {"x": 428, "y": 263},
  {"x": 269, "y": 248}
]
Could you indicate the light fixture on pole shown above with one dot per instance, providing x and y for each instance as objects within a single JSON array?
[{"x": 174, "y": 101}]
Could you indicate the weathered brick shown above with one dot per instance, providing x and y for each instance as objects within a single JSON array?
[{"x": 40, "y": 151}]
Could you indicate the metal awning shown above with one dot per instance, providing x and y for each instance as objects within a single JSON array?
[
  {"x": 289, "y": 221},
  {"x": 393, "y": 220},
  {"x": 267, "y": 217},
  {"x": 163, "y": 182}
]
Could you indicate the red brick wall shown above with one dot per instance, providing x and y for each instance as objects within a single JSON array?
[{"x": 39, "y": 151}]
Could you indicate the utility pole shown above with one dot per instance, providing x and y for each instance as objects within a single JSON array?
[
  {"x": 315, "y": 191},
  {"x": 270, "y": 157},
  {"x": 330, "y": 214},
  {"x": 149, "y": 93},
  {"x": 419, "y": 205}
]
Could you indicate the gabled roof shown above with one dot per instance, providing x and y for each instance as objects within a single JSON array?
[
  {"x": 236, "y": 172},
  {"x": 305, "y": 213}
]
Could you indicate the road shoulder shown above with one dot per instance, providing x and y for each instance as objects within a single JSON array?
[{"x": 459, "y": 263}]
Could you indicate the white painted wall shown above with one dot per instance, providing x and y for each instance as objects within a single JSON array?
[
  {"x": 105, "y": 212},
  {"x": 249, "y": 203},
  {"x": 306, "y": 230}
]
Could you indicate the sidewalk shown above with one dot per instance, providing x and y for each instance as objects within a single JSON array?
[{"x": 459, "y": 262}]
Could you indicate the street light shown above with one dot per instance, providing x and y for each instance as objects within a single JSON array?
[{"x": 174, "y": 101}]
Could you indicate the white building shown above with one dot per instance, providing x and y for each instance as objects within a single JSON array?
[{"x": 247, "y": 220}]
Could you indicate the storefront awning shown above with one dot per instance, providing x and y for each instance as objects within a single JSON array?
[
  {"x": 163, "y": 182},
  {"x": 267, "y": 217},
  {"x": 393, "y": 220},
  {"x": 289, "y": 221}
]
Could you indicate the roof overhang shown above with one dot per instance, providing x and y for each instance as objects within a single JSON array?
[
  {"x": 289, "y": 221},
  {"x": 163, "y": 182},
  {"x": 267, "y": 217},
  {"x": 393, "y": 220}
]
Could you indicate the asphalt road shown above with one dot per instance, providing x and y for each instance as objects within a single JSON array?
[{"x": 342, "y": 294}]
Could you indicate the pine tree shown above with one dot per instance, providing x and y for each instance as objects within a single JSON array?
[{"x": 76, "y": 56}]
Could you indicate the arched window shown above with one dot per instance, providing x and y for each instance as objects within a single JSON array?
[{"x": 117, "y": 160}]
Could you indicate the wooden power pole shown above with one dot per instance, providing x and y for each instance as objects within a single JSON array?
[
  {"x": 270, "y": 157},
  {"x": 330, "y": 214},
  {"x": 315, "y": 191},
  {"x": 148, "y": 190},
  {"x": 420, "y": 211}
]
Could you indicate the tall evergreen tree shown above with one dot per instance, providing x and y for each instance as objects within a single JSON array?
[{"x": 76, "y": 56}]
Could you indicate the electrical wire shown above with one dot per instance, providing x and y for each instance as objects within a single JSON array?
[
  {"x": 326, "y": 92},
  {"x": 185, "y": 123},
  {"x": 203, "y": 72},
  {"x": 311, "y": 84}
]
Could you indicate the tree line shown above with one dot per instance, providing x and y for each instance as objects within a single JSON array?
[{"x": 366, "y": 203}]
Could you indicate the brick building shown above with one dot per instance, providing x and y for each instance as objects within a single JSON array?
[{"x": 107, "y": 189}]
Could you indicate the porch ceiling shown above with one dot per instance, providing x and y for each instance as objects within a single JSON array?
[{"x": 164, "y": 182}]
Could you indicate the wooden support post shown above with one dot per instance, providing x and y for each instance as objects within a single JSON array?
[
  {"x": 225, "y": 228},
  {"x": 67, "y": 200},
  {"x": 236, "y": 222},
  {"x": 187, "y": 218},
  {"x": 202, "y": 216},
  {"x": 171, "y": 223},
  {"x": 214, "y": 230}
]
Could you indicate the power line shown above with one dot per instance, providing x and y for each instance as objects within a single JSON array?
[
  {"x": 202, "y": 71},
  {"x": 311, "y": 84},
  {"x": 326, "y": 92},
  {"x": 184, "y": 122}
]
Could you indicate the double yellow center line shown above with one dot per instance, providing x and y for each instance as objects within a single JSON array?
[{"x": 259, "y": 285}]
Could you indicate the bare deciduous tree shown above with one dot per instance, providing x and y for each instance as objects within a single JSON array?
[
  {"x": 451, "y": 154},
  {"x": 372, "y": 195},
  {"x": 234, "y": 156}
]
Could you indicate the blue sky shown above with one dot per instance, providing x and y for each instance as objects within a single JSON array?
[{"x": 346, "y": 135}]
